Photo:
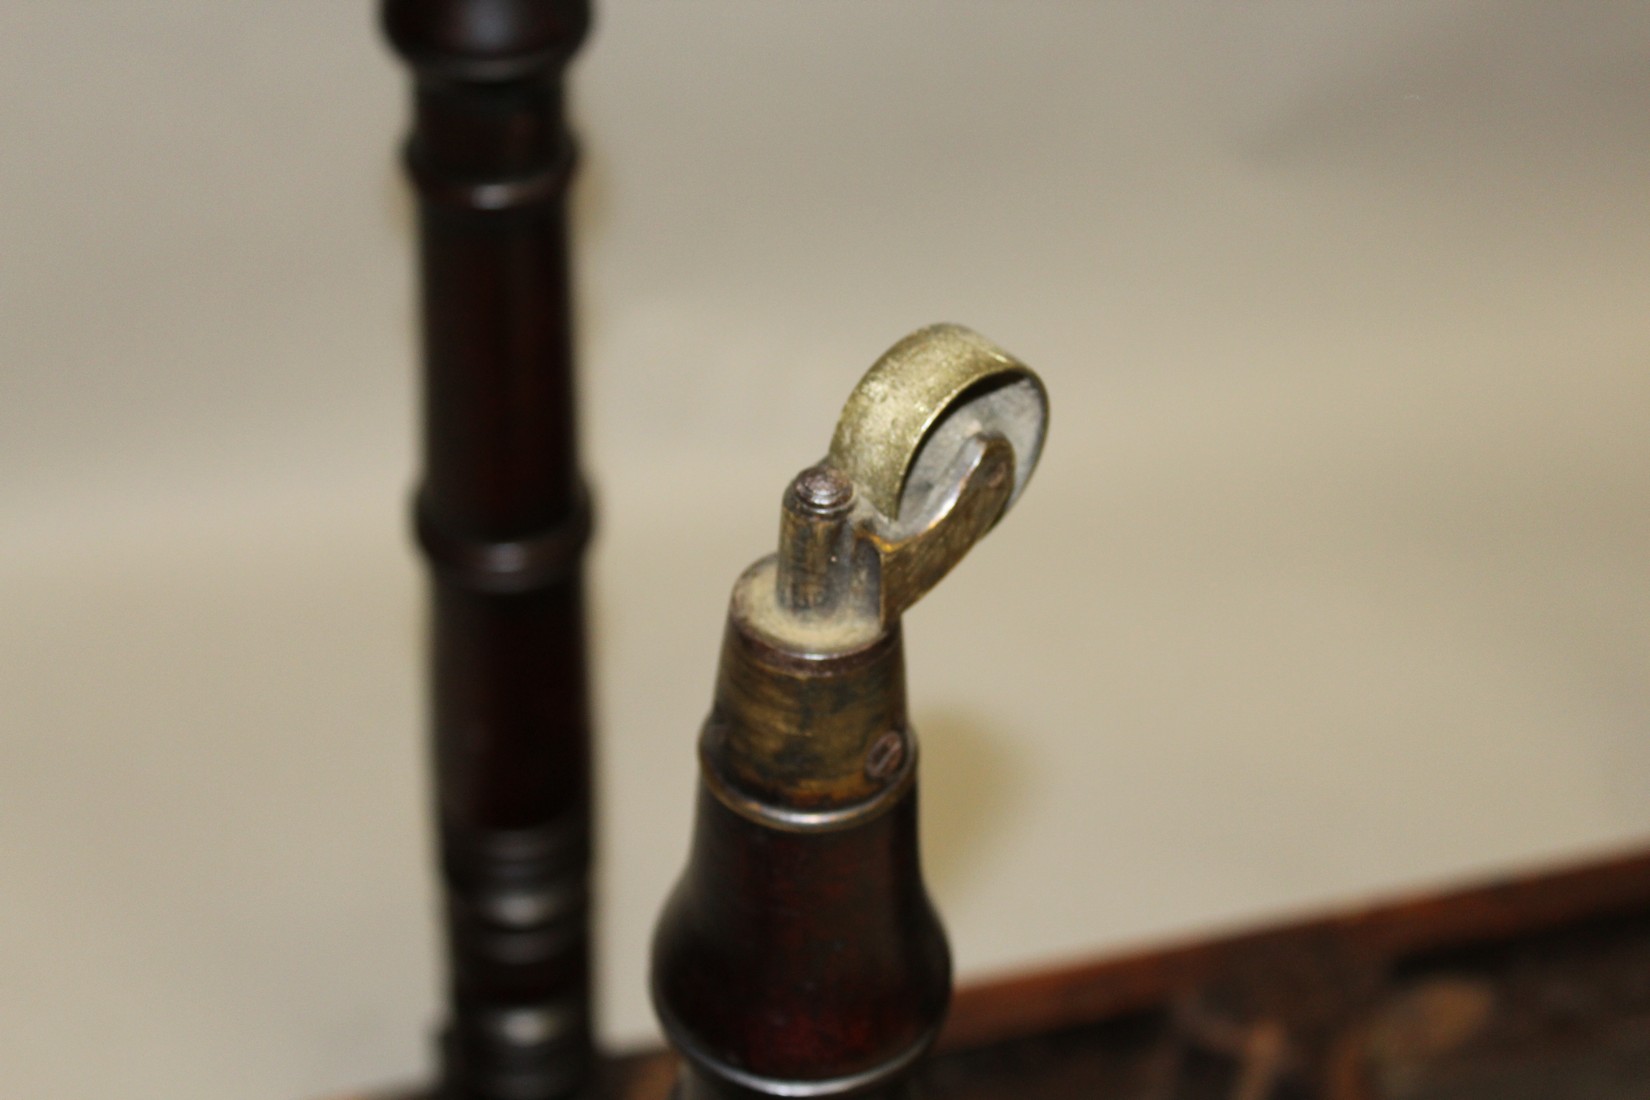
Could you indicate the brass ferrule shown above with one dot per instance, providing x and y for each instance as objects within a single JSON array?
[{"x": 805, "y": 740}]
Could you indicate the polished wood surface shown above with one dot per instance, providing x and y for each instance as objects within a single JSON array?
[
  {"x": 800, "y": 950},
  {"x": 785, "y": 956},
  {"x": 502, "y": 517}
]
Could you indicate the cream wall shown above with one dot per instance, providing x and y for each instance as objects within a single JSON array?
[{"x": 1333, "y": 580}]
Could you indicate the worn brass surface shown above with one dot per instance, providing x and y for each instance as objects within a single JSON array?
[
  {"x": 934, "y": 445},
  {"x": 806, "y": 742},
  {"x": 931, "y": 449},
  {"x": 963, "y": 507},
  {"x": 943, "y": 379}
]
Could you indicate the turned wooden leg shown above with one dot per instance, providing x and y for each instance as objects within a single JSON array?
[{"x": 502, "y": 519}]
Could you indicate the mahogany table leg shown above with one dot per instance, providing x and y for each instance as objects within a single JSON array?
[{"x": 502, "y": 520}]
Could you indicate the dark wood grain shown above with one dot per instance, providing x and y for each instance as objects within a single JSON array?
[
  {"x": 799, "y": 953},
  {"x": 502, "y": 518}
]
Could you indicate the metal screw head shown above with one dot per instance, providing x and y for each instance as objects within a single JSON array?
[
  {"x": 822, "y": 491},
  {"x": 885, "y": 756}
]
